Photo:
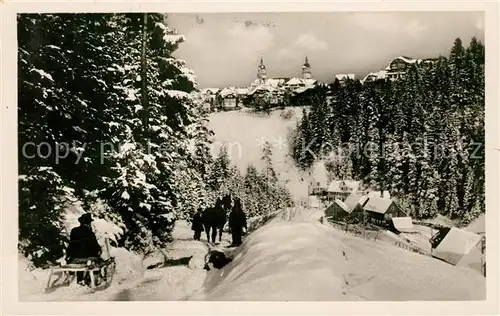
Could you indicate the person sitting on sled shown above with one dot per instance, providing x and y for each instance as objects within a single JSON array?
[
  {"x": 197, "y": 224},
  {"x": 83, "y": 245}
]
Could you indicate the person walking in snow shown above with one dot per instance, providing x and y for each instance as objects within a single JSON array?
[
  {"x": 83, "y": 245},
  {"x": 237, "y": 222},
  {"x": 197, "y": 224}
]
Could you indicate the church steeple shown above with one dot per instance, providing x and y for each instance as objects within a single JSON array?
[
  {"x": 306, "y": 70},
  {"x": 261, "y": 71},
  {"x": 262, "y": 66},
  {"x": 307, "y": 63}
]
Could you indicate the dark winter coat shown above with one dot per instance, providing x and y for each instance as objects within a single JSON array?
[
  {"x": 197, "y": 224},
  {"x": 83, "y": 243},
  {"x": 237, "y": 219},
  {"x": 214, "y": 216}
]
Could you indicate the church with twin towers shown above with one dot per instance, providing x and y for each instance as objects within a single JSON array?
[
  {"x": 306, "y": 78},
  {"x": 274, "y": 88}
]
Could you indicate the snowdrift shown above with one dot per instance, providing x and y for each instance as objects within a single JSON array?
[
  {"x": 301, "y": 259},
  {"x": 274, "y": 265}
]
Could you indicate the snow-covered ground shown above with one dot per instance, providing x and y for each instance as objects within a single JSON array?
[
  {"x": 302, "y": 259},
  {"x": 244, "y": 133},
  {"x": 292, "y": 257},
  {"x": 132, "y": 281}
]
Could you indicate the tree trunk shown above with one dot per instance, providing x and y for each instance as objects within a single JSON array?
[{"x": 144, "y": 69}]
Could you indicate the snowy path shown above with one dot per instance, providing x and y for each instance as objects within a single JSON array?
[
  {"x": 174, "y": 282},
  {"x": 296, "y": 258},
  {"x": 132, "y": 281},
  {"x": 293, "y": 257}
]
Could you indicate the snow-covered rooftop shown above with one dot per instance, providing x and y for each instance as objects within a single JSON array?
[
  {"x": 378, "y": 205},
  {"x": 295, "y": 81},
  {"x": 455, "y": 245},
  {"x": 352, "y": 184},
  {"x": 334, "y": 186},
  {"x": 375, "y": 75},
  {"x": 355, "y": 199},
  {"x": 344, "y": 76},
  {"x": 403, "y": 224},
  {"x": 210, "y": 90},
  {"x": 228, "y": 92},
  {"x": 406, "y": 59}
]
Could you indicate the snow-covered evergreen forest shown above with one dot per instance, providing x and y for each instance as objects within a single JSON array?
[
  {"x": 109, "y": 118},
  {"x": 421, "y": 137}
]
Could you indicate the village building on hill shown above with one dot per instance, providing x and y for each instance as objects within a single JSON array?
[
  {"x": 350, "y": 209},
  {"x": 342, "y": 78},
  {"x": 341, "y": 189},
  {"x": 271, "y": 90},
  {"x": 397, "y": 68},
  {"x": 402, "y": 224},
  {"x": 460, "y": 248},
  {"x": 337, "y": 211},
  {"x": 380, "y": 211},
  {"x": 280, "y": 84},
  {"x": 228, "y": 99}
]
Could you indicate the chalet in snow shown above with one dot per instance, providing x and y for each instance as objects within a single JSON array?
[
  {"x": 337, "y": 189},
  {"x": 381, "y": 210},
  {"x": 397, "y": 68},
  {"x": 460, "y": 248},
  {"x": 340, "y": 189},
  {"x": 351, "y": 208}
]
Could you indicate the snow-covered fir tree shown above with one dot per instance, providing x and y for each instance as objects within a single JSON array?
[
  {"x": 121, "y": 107},
  {"x": 430, "y": 123}
]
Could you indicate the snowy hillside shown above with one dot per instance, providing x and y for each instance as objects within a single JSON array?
[
  {"x": 292, "y": 257},
  {"x": 244, "y": 133},
  {"x": 303, "y": 259}
]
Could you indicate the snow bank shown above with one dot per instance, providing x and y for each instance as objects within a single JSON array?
[
  {"x": 300, "y": 259},
  {"x": 31, "y": 281},
  {"x": 128, "y": 265},
  {"x": 278, "y": 262}
]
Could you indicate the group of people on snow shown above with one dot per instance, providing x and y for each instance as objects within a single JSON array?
[
  {"x": 213, "y": 218},
  {"x": 84, "y": 247}
]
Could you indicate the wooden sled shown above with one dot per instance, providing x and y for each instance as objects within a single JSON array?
[{"x": 103, "y": 270}]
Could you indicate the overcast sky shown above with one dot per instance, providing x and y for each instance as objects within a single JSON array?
[{"x": 224, "y": 49}]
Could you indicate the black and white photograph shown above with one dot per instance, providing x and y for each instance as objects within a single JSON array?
[{"x": 251, "y": 156}]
